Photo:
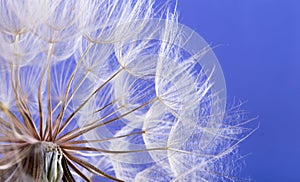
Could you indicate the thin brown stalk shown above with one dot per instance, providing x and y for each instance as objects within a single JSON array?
[
  {"x": 64, "y": 105},
  {"x": 46, "y": 69},
  {"x": 11, "y": 147},
  {"x": 107, "y": 105},
  {"x": 8, "y": 126},
  {"x": 102, "y": 140},
  {"x": 40, "y": 104},
  {"x": 77, "y": 87},
  {"x": 68, "y": 174},
  {"x": 93, "y": 149},
  {"x": 89, "y": 166},
  {"x": 15, "y": 158},
  {"x": 79, "y": 131},
  {"x": 15, "y": 121},
  {"x": 24, "y": 114},
  {"x": 9, "y": 139},
  {"x": 84, "y": 103},
  {"x": 49, "y": 118},
  {"x": 23, "y": 101}
]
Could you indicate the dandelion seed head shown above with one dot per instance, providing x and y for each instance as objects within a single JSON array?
[{"x": 110, "y": 89}]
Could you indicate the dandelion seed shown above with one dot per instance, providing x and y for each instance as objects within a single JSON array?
[{"x": 107, "y": 88}]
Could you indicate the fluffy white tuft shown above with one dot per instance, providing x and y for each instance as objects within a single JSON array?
[{"x": 123, "y": 92}]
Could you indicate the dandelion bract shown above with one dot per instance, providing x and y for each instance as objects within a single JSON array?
[{"x": 110, "y": 89}]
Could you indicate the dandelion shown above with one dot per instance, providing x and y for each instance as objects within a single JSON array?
[{"x": 107, "y": 89}]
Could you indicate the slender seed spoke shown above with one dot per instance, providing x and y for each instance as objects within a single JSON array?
[
  {"x": 80, "y": 131},
  {"x": 102, "y": 140},
  {"x": 68, "y": 176},
  {"x": 92, "y": 123},
  {"x": 48, "y": 71},
  {"x": 15, "y": 121},
  {"x": 111, "y": 89},
  {"x": 64, "y": 105},
  {"x": 16, "y": 146},
  {"x": 56, "y": 125},
  {"x": 92, "y": 149},
  {"x": 107, "y": 105},
  {"x": 23, "y": 103},
  {"x": 26, "y": 117},
  {"x": 85, "y": 102},
  {"x": 49, "y": 118},
  {"x": 10, "y": 139},
  {"x": 88, "y": 166},
  {"x": 40, "y": 104},
  {"x": 77, "y": 88}
]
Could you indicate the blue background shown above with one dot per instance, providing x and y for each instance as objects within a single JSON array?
[{"x": 258, "y": 48}]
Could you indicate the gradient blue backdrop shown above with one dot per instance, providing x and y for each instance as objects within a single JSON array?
[{"x": 259, "y": 53}]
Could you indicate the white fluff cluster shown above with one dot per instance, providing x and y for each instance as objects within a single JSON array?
[{"x": 112, "y": 84}]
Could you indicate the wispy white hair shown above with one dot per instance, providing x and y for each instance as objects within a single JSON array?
[{"x": 111, "y": 88}]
